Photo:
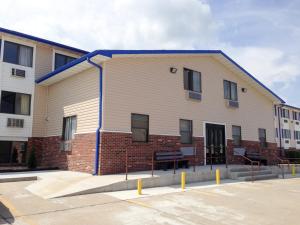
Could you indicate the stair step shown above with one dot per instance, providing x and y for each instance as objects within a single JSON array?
[
  {"x": 249, "y": 173},
  {"x": 246, "y": 169},
  {"x": 259, "y": 177}
]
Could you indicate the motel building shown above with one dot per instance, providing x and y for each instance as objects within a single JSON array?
[{"x": 94, "y": 111}]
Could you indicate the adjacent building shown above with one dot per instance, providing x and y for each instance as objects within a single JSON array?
[
  {"x": 24, "y": 58},
  {"x": 287, "y": 127}
]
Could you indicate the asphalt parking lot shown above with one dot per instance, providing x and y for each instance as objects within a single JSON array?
[{"x": 265, "y": 202}]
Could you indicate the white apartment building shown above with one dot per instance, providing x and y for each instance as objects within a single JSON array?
[
  {"x": 23, "y": 58},
  {"x": 287, "y": 125}
]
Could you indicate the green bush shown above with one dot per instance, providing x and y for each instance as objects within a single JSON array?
[
  {"x": 293, "y": 156},
  {"x": 31, "y": 162}
]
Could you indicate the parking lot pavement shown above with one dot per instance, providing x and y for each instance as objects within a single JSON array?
[{"x": 265, "y": 202}]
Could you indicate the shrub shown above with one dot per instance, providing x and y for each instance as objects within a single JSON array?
[{"x": 31, "y": 162}]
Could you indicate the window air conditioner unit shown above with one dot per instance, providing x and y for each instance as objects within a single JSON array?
[
  {"x": 233, "y": 104},
  {"x": 66, "y": 145},
  {"x": 16, "y": 123},
  {"x": 18, "y": 72},
  {"x": 195, "y": 95}
]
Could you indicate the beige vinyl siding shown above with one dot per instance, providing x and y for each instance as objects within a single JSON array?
[
  {"x": 39, "y": 111},
  {"x": 44, "y": 60},
  {"x": 78, "y": 95},
  {"x": 145, "y": 85}
]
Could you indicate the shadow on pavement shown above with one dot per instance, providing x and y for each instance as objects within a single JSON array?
[{"x": 6, "y": 216}]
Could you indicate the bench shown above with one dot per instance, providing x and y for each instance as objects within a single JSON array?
[
  {"x": 255, "y": 156},
  {"x": 170, "y": 159},
  {"x": 252, "y": 156}
]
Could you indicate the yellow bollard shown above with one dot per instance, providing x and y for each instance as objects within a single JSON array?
[
  {"x": 217, "y": 176},
  {"x": 293, "y": 170},
  {"x": 183, "y": 174},
  {"x": 139, "y": 186}
]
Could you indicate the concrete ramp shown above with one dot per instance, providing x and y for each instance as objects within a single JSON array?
[{"x": 67, "y": 183}]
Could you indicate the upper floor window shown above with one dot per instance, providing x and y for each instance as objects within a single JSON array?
[
  {"x": 186, "y": 131},
  {"x": 230, "y": 90},
  {"x": 69, "y": 127},
  {"x": 286, "y": 133},
  {"x": 15, "y": 103},
  {"x": 192, "y": 80},
  {"x": 285, "y": 113},
  {"x": 236, "y": 135},
  {"x": 17, "y": 54},
  {"x": 262, "y": 135},
  {"x": 61, "y": 60},
  {"x": 295, "y": 116},
  {"x": 140, "y": 127},
  {"x": 297, "y": 135}
]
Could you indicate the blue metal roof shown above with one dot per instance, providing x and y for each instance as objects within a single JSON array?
[
  {"x": 19, "y": 34},
  {"x": 110, "y": 53}
]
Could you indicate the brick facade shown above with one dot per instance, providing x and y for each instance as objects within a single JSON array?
[
  {"x": 80, "y": 158},
  {"x": 114, "y": 146},
  {"x": 113, "y": 152}
]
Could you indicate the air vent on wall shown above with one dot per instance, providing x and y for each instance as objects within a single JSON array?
[
  {"x": 17, "y": 123},
  {"x": 18, "y": 72},
  {"x": 195, "y": 95},
  {"x": 233, "y": 104},
  {"x": 287, "y": 141},
  {"x": 298, "y": 142},
  {"x": 285, "y": 121},
  {"x": 297, "y": 123}
]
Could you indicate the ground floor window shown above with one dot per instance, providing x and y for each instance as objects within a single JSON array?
[
  {"x": 236, "y": 135},
  {"x": 262, "y": 137},
  {"x": 186, "y": 131},
  {"x": 139, "y": 127},
  {"x": 69, "y": 127}
]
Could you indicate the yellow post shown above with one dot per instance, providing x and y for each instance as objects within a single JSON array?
[
  {"x": 183, "y": 174},
  {"x": 217, "y": 176},
  {"x": 139, "y": 186},
  {"x": 293, "y": 170}
]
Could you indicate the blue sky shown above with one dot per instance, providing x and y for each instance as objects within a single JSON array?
[{"x": 261, "y": 35}]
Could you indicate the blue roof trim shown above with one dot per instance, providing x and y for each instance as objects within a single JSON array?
[
  {"x": 67, "y": 66},
  {"x": 45, "y": 41},
  {"x": 110, "y": 53}
]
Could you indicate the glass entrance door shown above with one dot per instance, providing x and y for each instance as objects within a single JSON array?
[{"x": 215, "y": 144}]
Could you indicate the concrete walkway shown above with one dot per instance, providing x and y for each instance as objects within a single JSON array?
[{"x": 53, "y": 184}]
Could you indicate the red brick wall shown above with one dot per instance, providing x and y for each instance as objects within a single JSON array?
[
  {"x": 270, "y": 152},
  {"x": 80, "y": 158},
  {"x": 113, "y": 152},
  {"x": 114, "y": 146}
]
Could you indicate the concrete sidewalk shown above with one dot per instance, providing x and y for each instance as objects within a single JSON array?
[
  {"x": 66, "y": 183},
  {"x": 53, "y": 184}
]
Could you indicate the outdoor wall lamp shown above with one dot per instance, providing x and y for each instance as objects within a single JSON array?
[{"x": 173, "y": 70}]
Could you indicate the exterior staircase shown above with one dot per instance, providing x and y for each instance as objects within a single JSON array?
[{"x": 246, "y": 174}]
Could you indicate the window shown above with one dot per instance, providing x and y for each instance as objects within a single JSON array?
[
  {"x": 285, "y": 113},
  {"x": 275, "y": 110},
  {"x": 230, "y": 90},
  {"x": 139, "y": 127},
  {"x": 286, "y": 133},
  {"x": 17, "y": 54},
  {"x": 262, "y": 137},
  {"x": 192, "y": 80},
  {"x": 297, "y": 135},
  {"x": 61, "y": 60},
  {"x": 276, "y": 131},
  {"x": 69, "y": 128},
  {"x": 15, "y": 103},
  {"x": 186, "y": 131},
  {"x": 236, "y": 135},
  {"x": 295, "y": 116}
]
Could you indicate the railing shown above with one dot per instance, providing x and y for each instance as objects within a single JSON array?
[{"x": 153, "y": 162}]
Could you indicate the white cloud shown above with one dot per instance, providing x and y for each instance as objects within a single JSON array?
[
  {"x": 123, "y": 24},
  {"x": 143, "y": 24},
  {"x": 269, "y": 65}
]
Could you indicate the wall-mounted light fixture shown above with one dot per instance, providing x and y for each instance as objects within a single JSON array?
[
  {"x": 173, "y": 70},
  {"x": 244, "y": 90}
]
